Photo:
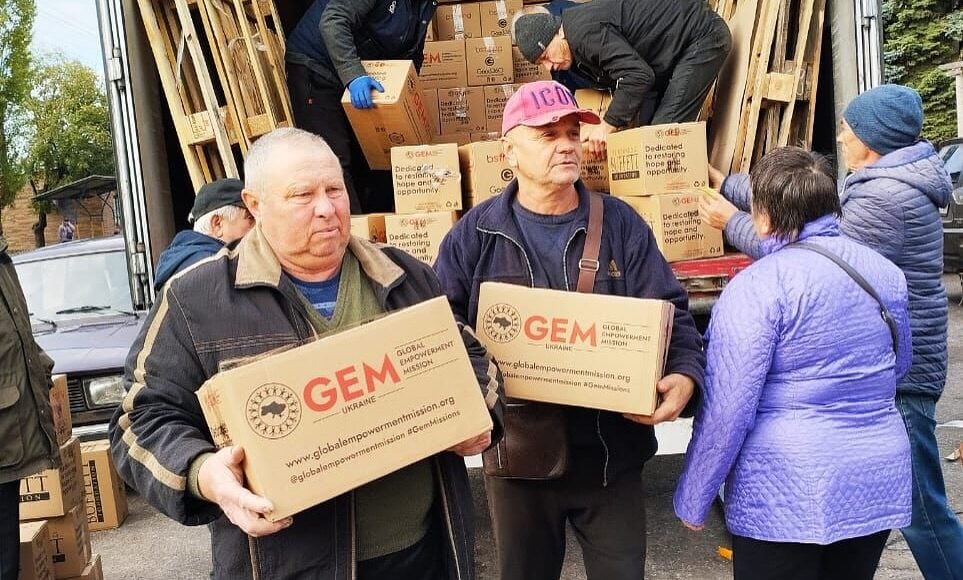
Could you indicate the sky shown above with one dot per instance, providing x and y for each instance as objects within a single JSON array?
[{"x": 69, "y": 26}]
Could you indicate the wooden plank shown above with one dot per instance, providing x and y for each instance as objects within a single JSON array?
[
  {"x": 780, "y": 87},
  {"x": 250, "y": 45},
  {"x": 207, "y": 91},
  {"x": 815, "y": 56},
  {"x": 731, "y": 88},
  {"x": 280, "y": 103},
  {"x": 799, "y": 53},
  {"x": 760, "y": 58}
]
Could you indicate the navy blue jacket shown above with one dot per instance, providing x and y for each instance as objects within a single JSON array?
[
  {"x": 485, "y": 245},
  {"x": 334, "y": 36},
  {"x": 188, "y": 247},
  {"x": 891, "y": 206}
]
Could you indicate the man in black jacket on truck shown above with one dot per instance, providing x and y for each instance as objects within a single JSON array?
[
  {"x": 324, "y": 54},
  {"x": 665, "y": 53}
]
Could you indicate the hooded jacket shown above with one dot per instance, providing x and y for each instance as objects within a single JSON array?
[
  {"x": 188, "y": 247},
  {"x": 799, "y": 415},
  {"x": 235, "y": 306},
  {"x": 891, "y": 206}
]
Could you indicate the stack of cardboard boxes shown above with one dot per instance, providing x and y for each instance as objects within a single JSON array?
[
  {"x": 55, "y": 539},
  {"x": 659, "y": 171},
  {"x": 60, "y": 507}
]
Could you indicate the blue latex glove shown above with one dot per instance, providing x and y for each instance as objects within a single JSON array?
[{"x": 360, "y": 89}]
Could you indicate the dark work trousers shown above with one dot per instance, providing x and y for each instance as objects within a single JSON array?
[
  {"x": 423, "y": 561},
  {"x": 693, "y": 77},
  {"x": 317, "y": 108},
  {"x": 851, "y": 559},
  {"x": 528, "y": 519},
  {"x": 9, "y": 530}
]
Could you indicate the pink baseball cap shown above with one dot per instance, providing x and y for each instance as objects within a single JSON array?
[{"x": 540, "y": 103}]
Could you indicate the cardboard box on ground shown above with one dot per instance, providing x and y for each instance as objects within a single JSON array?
[
  {"x": 36, "y": 562},
  {"x": 63, "y": 424},
  {"x": 587, "y": 350},
  {"x": 419, "y": 234},
  {"x": 399, "y": 116},
  {"x": 426, "y": 178},
  {"x": 93, "y": 571},
  {"x": 52, "y": 492},
  {"x": 327, "y": 417},
  {"x": 105, "y": 497},
  {"x": 489, "y": 60},
  {"x": 461, "y": 110},
  {"x": 69, "y": 543}
]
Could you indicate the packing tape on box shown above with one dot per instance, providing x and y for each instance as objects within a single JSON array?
[
  {"x": 438, "y": 175},
  {"x": 501, "y": 9},
  {"x": 507, "y": 90},
  {"x": 489, "y": 44},
  {"x": 461, "y": 105},
  {"x": 458, "y": 20}
]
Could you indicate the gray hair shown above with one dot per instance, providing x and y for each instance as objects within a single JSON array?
[
  {"x": 266, "y": 148},
  {"x": 202, "y": 225}
]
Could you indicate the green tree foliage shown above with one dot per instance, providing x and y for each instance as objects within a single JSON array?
[
  {"x": 919, "y": 36},
  {"x": 71, "y": 125},
  {"x": 16, "y": 24}
]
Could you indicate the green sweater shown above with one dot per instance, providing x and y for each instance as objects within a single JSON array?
[{"x": 391, "y": 513}]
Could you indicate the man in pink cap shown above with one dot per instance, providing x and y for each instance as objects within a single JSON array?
[{"x": 585, "y": 465}]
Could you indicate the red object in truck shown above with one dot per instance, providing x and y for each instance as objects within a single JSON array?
[{"x": 704, "y": 279}]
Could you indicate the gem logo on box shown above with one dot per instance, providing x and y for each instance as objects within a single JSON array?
[
  {"x": 502, "y": 322},
  {"x": 556, "y": 330},
  {"x": 323, "y": 399},
  {"x": 273, "y": 411}
]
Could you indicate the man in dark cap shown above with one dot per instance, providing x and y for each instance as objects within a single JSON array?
[
  {"x": 891, "y": 201},
  {"x": 670, "y": 50},
  {"x": 219, "y": 217}
]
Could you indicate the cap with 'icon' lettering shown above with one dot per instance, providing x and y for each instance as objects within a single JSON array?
[{"x": 540, "y": 103}]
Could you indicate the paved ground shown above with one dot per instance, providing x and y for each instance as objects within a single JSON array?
[{"x": 149, "y": 546}]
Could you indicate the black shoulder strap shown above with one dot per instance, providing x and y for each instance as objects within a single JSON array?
[{"x": 858, "y": 278}]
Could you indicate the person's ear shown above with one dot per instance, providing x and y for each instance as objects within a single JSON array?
[
  {"x": 252, "y": 202},
  {"x": 508, "y": 148},
  {"x": 216, "y": 225}
]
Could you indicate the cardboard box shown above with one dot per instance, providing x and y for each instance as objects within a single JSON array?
[
  {"x": 496, "y": 17},
  {"x": 93, "y": 571},
  {"x": 58, "y": 393},
  {"x": 430, "y": 32},
  {"x": 595, "y": 172},
  {"x": 444, "y": 65},
  {"x": 52, "y": 492},
  {"x": 430, "y": 98},
  {"x": 658, "y": 159},
  {"x": 69, "y": 543},
  {"x": 485, "y": 171},
  {"x": 426, "y": 178},
  {"x": 571, "y": 348},
  {"x": 458, "y": 21},
  {"x": 526, "y": 72},
  {"x": 35, "y": 560},
  {"x": 324, "y": 418},
  {"x": 495, "y": 98},
  {"x": 105, "y": 497},
  {"x": 369, "y": 226},
  {"x": 399, "y": 116},
  {"x": 678, "y": 228},
  {"x": 489, "y": 60},
  {"x": 461, "y": 110},
  {"x": 419, "y": 234},
  {"x": 456, "y": 138}
]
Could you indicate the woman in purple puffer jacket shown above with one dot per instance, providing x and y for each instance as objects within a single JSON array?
[{"x": 798, "y": 417}]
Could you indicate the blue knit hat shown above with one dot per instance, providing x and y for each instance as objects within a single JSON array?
[{"x": 886, "y": 118}]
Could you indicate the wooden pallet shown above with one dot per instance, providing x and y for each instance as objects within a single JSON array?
[
  {"x": 777, "y": 103},
  {"x": 204, "y": 124},
  {"x": 221, "y": 65},
  {"x": 248, "y": 53}
]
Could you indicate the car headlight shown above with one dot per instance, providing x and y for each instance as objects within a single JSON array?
[{"x": 105, "y": 391}]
